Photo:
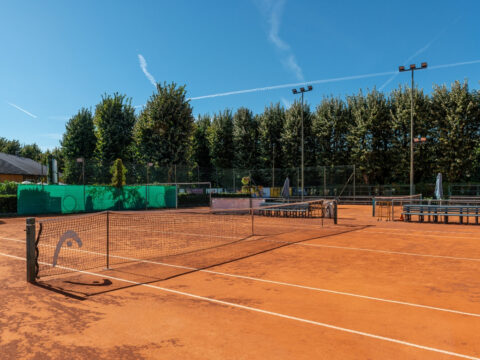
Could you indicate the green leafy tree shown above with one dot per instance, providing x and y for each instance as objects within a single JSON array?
[
  {"x": 245, "y": 137},
  {"x": 270, "y": 128},
  {"x": 400, "y": 112},
  {"x": 456, "y": 116},
  {"x": 31, "y": 151},
  {"x": 201, "y": 148},
  {"x": 114, "y": 121},
  {"x": 292, "y": 136},
  {"x": 164, "y": 129},
  {"x": 79, "y": 141},
  {"x": 220, "y": 139},
  {"x": 118, "y": 172},
  {"x": 370, "y": 136},
  {"x": 11, "y": 147},
  {"x": 330, "y": 127}
]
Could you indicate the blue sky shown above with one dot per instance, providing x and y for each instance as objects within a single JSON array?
[{"x": 59, "y": 56}]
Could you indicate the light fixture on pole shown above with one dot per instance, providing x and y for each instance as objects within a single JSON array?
[
  {"x": 412, "y": 69},
  {"x": 296, "y": 92}
]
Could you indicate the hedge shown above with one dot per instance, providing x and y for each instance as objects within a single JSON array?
[{"x": 8, "y": 204}]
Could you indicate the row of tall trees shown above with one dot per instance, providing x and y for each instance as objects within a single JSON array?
[{"x": 370, "y": 130}]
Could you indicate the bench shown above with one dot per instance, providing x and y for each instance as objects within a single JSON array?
[{"x": 445, "y": 211}]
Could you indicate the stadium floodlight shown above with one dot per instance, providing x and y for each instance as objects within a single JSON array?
[
  {"x": 413, "y": 67},
  {"x": 295, "y": 91}
]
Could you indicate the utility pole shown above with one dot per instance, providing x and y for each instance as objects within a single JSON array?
[
  {"x": 295, "y": 92},
  {"x": 412, "y": 68}
]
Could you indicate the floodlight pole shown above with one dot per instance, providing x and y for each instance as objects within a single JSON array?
[
  {"x": 412, "y": 69},
  {"x": 295, "y": 91}
]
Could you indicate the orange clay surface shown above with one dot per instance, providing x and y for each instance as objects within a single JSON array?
[{"x": 389, "y": 290}]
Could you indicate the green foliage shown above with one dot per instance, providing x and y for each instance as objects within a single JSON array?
[
  {"x": 114, "y": 120},
  {"x": 8, "y": 204},
  {"x": 78, "y": 141},
  {"x": 11, "y": 147},
  {"x": 163, "y": 133},
  {"x": 220, "y": 139},
  {"x": 270, "y": 127},
  {"x": 244, "y": 135},
  {"x": 330, "y": 127},
  {"x": 31, "y": 152},
  {"x": 8, "y": 188},
  {"x": 118, "y": 172},
  {"x": 292, "y": 135},
  {"x": 200, "y": 146},
  {"x": 457, "y": 125}
]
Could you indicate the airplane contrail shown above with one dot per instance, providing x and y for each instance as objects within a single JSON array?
[
  {"x": 323, "y": 81},
  {"x": 25, "y": 111}
]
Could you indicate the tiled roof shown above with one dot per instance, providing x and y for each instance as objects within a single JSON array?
[{"x": 17, "y": 165}]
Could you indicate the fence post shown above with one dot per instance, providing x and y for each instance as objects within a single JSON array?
[
  {"x": 108, "y": 240},
  {"x": 31, "y": 251},
  {"x": 354, "y": 183},
  {"x": 335, "y": 212}
]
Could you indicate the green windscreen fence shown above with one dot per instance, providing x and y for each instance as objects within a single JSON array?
[{"x": 68, "y": 199}]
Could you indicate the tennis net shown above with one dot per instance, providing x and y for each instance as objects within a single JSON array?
[{"x": 192, "y": 239}]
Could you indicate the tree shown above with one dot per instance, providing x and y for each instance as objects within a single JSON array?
[
  {"x": 220, "y": 139},
  {"x": 11, "y": 147},
  {"x": 270, "y": 127},
  {"x": 245, "y": 137},
  {"x": 400, "y": 109},
  {"x": 114, "y": 120},
  {"x": 330, "y": 127},
  {"x": 200, "y": 147},
  {"x": 456, "y": 117},
  {"x": 31, "y": 151},
  {"x": 163, "y": 133},
  {"x": 78, "y": 141},
  {"x": 370, "y": 136},
  {"x": 292, "y": 136},
  {"x": 118, "y": 172}
]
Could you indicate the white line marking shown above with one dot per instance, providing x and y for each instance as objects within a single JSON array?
[
  {"x": 416, "y": 235},
  {"x": 304, "y": 287},
  {"x": 276, "y": 314}
]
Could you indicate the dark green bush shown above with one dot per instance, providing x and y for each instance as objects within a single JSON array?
[
  {"x": 8, "y": 204},
  {"x": 8, "y": 188}
]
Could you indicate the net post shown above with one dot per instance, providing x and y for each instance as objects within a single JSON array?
[
  {"x": 251, "y": 215},
  {"x": 31, "y": 252},
  {"x": 335, "y": 212},
  {"x": 373, "y": 206},
  {"x": 108, "y": 240},
  {"x": 176, "y": 195}
]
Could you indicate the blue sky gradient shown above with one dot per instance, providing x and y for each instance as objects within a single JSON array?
[{"x": 59, "y": 56}]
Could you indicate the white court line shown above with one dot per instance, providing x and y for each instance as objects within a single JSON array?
[
  {"x": 276, "y": 314},
  {"x": 381, "y": 251},
  {"x": 417, "y": 235},
  {"x": 304, "y": 287}
]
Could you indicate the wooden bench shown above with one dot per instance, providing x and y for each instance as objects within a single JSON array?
[{"x": 435, "y": 211}]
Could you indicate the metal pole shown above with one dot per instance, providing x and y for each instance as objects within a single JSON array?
[
  {"x": 31, "y": 260},
  {"x": 302, "y": 150},
  {"x": 411, "y": 136},
  {"x": 108, "y": 240},
  {"x": 83, "y": 177},
  {"x": 354, "y": 183},
  {"x": 146, "y": 191},
  {"x": 273, "y": 167}
]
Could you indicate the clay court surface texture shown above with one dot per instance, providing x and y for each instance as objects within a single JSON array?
[{"x": 363, "y": 289}]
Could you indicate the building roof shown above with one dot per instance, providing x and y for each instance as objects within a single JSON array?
[{"x": 17, "y": 165}]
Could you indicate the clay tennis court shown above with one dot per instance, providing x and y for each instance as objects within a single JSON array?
[{"x": 362, "y": 289}]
